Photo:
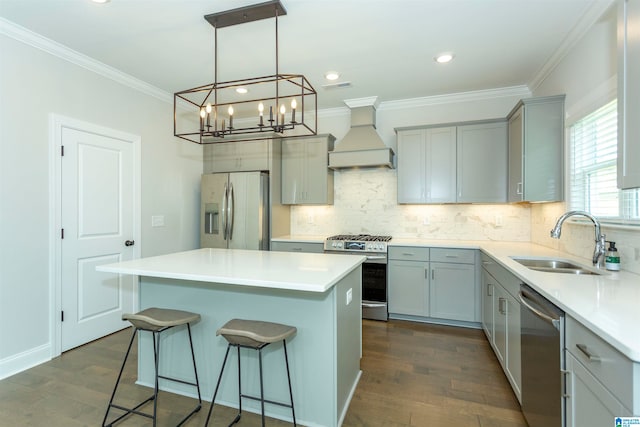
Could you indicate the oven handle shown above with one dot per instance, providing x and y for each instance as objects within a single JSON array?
[
  {"x": 372, "y": 305},
  {"x": 376, "y": 257}
]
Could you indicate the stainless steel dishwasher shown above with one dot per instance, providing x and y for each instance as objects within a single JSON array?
[{"x": 542, "y": 346}]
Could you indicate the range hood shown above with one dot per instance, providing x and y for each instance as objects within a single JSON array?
[{"x": 361, "y": 146}]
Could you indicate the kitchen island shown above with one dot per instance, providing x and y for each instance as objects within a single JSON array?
[{"x": 319, "y": 294}]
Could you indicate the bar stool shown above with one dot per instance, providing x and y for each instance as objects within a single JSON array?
[
  {"x": 256, "y": 335},
  {"x": 156, "y": 320}
]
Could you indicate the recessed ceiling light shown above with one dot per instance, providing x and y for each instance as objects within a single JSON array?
[
  {"x": 443, "y": 58},
  {"x": 332, "y": 75},
  {"x": 101, "y": 1},
  {"x": 241, "y": 89}
]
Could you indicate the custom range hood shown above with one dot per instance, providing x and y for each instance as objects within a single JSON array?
[{"x": 361, "y": 146}]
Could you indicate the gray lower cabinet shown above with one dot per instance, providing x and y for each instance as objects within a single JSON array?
[
  {"x": 600, "y": 380},
  {"x": 434, "y": 284},
  {"x": 306, "y": 177},
  {"x": 311, "y": 247},
  {"x": 408, "y": 281},
  {"x": 501, "y": 319},
  {"x": 536, "y": 150},
  {"x": 454, "y": 290}
]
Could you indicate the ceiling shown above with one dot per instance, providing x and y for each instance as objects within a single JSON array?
[{"x": 384, "y": 48}]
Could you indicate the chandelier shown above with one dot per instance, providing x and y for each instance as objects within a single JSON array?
[{"x": 282, "y": 105}]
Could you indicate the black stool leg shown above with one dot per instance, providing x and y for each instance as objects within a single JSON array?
[
  {"x": 124, "y": 362},
  {"x": 286, "y": 361},
  {"x": 195, "y": 371},
  {"x": 237, "y": 418},
  {"x": 261, "y": 385},
  {"x": 156, "y": 357},
  {"x": 213, "y": 399}
]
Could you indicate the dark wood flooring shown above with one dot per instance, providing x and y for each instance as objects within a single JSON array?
[{"x": 413, "y": 375}]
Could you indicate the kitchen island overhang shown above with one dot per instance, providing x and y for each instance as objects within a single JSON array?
[{"x": 319, "y": 294}]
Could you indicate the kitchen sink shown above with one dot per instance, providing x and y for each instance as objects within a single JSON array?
[{"x": 551, "y": 265}]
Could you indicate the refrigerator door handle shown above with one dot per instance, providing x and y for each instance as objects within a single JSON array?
[
  {"x": 224, "y": 212},
  {"x": 231, "y": 212}
]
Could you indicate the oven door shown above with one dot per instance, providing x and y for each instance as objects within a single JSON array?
[{"x": 374, "y": 288}]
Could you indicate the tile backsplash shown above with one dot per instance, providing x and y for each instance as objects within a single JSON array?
[
  {"x": 579, "y": 238},
  {"x": 365, "y": 201}
]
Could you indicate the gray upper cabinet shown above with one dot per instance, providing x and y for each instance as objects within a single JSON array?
[
  {"x": 628, "y": 94},
  {"x": 448, "y": 164},
  {"x": 536, "y": 150},
  {"x": 306, "y": 178},
  {"x": 241, "y": 156},
  {"x": 482, "y": 163},
  {"x": 427, "y": 165}
]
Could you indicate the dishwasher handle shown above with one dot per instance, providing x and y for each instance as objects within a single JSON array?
[{"x": 544, "y": 316}]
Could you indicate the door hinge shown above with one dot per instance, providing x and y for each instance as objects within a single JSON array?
[
  {"x": 62, "y": 150},
  {"x": 62, "y": 233},
  {"x": 62, "y": 316}
]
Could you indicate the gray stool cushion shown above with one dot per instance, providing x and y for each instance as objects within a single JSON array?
[
  {"x": 154, "y": 319},
  {"x": 254, "y": 333}
]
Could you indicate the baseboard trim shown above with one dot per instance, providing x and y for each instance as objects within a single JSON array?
[{"x": 22, "y": 361}]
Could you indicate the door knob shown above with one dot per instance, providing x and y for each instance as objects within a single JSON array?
[{"x": 129, "y": 243}]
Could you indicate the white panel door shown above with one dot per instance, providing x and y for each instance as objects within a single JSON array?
[{"x": 97, "y": 204}]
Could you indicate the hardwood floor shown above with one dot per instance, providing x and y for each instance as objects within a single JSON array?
[{"x": 413, "y": 375}]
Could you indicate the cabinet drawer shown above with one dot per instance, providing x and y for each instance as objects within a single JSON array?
[
  {"x": 603, "y": 361},
  {"x": 409, "y": 253},
  {"x": 463, "y": 256},
  {"x": 297, "y": 247},
  {"x": 510, "y": 282}
]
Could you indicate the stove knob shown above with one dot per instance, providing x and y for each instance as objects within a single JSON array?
[
  {"x": 334, "y": 244},
  {"x": 339, "y": 244}
]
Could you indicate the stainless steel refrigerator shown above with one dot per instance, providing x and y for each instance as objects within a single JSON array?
[{"x": 235, "y": 210}]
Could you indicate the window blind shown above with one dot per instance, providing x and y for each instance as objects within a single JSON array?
[{"x": 593, "y": 168}]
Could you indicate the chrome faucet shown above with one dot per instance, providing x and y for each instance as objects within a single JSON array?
[{"x": 599, "y": 251}]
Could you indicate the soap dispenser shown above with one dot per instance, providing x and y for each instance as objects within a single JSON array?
[{"x": 612, "y": 259}]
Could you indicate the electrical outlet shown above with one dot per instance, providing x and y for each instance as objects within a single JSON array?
[
  {"x": 349, "y": 296},
  {"x": 425, "y": 220},
  {"x": 499, "y": 221},
  {"x": 309, "y": 219}
]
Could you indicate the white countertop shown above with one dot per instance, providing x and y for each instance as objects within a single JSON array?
[
  {"x": 276, "y": 270},
  {"x": 300, "y": 239},
  {"x": 607, "y": 304}
]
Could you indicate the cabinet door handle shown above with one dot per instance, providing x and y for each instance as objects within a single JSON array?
[
  {"x": 592, "y": 357},
  {"x": 407, "y": 253},
  {"x": 433, "y": 274},
  {"x": 519, "y": 188},
  {"x": 564, "y": 376},
  {"x": 296, "y": 249},
  {"x": 487, "y": 262},
  {"x": 501, "y": 308},
  {"x": 489, "y": 290},
  {"x": 426, "y": 273}
]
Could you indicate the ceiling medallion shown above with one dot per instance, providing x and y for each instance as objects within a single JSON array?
[{"x": 279, "y": 105}]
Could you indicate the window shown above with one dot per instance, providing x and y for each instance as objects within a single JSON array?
[{"x": 593, "y": 169}]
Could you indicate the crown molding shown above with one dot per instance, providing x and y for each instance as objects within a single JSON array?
[
  {"x": 61, "y": 51},
  {"x": 477, "y": 95},
  {"x": 586, "y": 21}
]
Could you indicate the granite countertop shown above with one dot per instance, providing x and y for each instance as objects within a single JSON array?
[
  {"x": 275, "y": 270},
  {"x": 607, "y": 304}
]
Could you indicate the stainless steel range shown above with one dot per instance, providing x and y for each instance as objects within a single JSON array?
[{"x": 374, "y": 269}]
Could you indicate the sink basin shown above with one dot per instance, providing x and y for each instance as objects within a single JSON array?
[{"x": 551, "y": 265}]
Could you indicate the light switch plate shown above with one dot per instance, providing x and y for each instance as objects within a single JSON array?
[{"x": 157, "y": 221}]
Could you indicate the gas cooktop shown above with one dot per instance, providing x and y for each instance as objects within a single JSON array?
[{"x": 357, "y": 243}]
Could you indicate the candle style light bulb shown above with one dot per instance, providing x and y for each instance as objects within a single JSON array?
[
  {"x": 202, "y": 115},
  {"x": 230, "y": 110},
  {"x": 208, "y": 110},
  {"x": 282, "y": 111},
  {"x": 294, "y": 104},
  {"x": 261, "y": 111}
]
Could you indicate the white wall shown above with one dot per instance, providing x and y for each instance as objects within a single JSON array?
[
  {"x": 587, "y": 74},
  {"x": 33, "y": 85},
  {"x": 366, "y": 199}
]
